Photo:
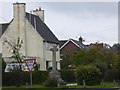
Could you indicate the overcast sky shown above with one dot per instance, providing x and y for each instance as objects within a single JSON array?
[{"x": 94, "y": 21}]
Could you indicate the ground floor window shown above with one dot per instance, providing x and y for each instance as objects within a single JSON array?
[{"x": 48, "y": 64}]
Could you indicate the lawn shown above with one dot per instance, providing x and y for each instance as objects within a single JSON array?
[
  {"x": 102, "y": 85},
  {"x": 37, "y": 87}
]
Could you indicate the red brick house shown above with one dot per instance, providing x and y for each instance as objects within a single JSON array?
[
  {"x": 71, "y": 45},
  {"x": 67, "y": 48}
]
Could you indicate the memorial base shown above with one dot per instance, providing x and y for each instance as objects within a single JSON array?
[{"x": 56, "y": 74}]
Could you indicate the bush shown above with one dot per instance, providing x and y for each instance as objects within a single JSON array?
[
  {"x": 89, "y": 73},
  {"x": 68, "y": 75},
  {"x": 103, "y": 68},
  {"x": 3, "y": 65},
  {"x": 39, "y": 77},
  {"x": 112, "y": 74},
  {"x": 13, "y": 78},
  {"x": 51, "y": 82}
]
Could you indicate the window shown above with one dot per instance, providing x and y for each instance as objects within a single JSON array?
[
  {"x": 48, "y": 64},
  {"x": 48, "y": 46}
]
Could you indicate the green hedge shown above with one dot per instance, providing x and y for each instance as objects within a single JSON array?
[
  {"x": 14, "y": 78},
  {"x": 21, "y": 78},
  {"x": 111, "y": 75},
  {"x": 51, "y": 82},
  {"x": 39, "y": 77},
  {"x": 68, "y": 75}
]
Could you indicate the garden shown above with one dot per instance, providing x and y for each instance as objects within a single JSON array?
[{"x": 94, "y": 68}]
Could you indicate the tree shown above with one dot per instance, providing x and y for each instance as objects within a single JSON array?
[
  {"x": 65, "y": 62},
  {"x": 88, "y": 74},
  {"x": 3, "y": 65},
  {"x": 117, "y": 62},
  {"x": 87, "y": 57},
  {"x": 101, "y": 55},
  {"x": 15, "y": 48}
]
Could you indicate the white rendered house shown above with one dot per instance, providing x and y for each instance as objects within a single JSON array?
[{"x": 37, "y": 37}]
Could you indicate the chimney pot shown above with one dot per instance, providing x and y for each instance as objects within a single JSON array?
[
  {"x": 81, "y": 39},
  {"x": 39, "y": 8},
  {"x": 39, "y": 12}
]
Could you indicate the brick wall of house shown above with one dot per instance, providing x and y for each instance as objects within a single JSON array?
[{"x": 69, "y": 48}]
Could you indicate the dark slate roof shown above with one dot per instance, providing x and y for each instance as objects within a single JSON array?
[
  {"x": 62, "y": 42},
  {"x": 41, "y": 28},
  {"x": 3, "y": 27},
  {"x": 79, "y": 44}
]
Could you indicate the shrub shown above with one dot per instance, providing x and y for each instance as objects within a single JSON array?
[
  {"x": 3, "y": 65},
  {"x": 103, "y": 68},
  {"x": 112, "y": 74},
  {"x": 89, "y": 73},
  {"x": 39, "y": 77},
  {"x": 13, "y": 78},
  {"x": 51, "y": 82},
  {"x": 68, "y": 75}
]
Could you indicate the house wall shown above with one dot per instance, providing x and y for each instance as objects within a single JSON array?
[
  {"x": 0, "y": 46},
  {"x": 69, "y": 48},
  {"x": 33, "y": 45},
  {"x": 48, "y": 53},
  {"x": 15, "y": 29}
]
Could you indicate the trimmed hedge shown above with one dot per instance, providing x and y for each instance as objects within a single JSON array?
[
  {"x": 111, "y": 75},
  {"x": 15, "y": 78},
  {"x": 21, "y": 78},
  {"x": 39, "y": 77},
  {"x": 68, "y": 75},
  {"x": 51, "y": 82}
]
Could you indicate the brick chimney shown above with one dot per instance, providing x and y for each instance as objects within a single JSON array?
[
  {"x": 39, "y": 12},
  {"x": 81, "y": 39}
]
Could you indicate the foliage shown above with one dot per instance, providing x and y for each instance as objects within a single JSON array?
[
  {"x": 103, "y": 68},
  {"x": 15, "y": 48},
  {"x": 68, "y": 75},
  {"x": 51, "y": 82},
  {"x": 89, "y": 73},
  {"x": 21, "y": 78},
  {"x": 93, "y": 56},
  {"x": 39, "y": 77},
  {"x": 111, "y": 75},
  {"x": 36, "y": 67},
  {"x": 3, "y": 65},
  {"x": 16, "y": 78},
  {"x": 87, "y": 57},
  {"x": 117, "y": 62},
  {"x": 65, "y": 62}
]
